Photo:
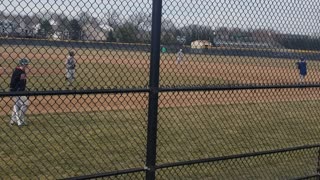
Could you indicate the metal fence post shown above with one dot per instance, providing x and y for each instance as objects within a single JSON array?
[
  {"x": 318, "y": 165},
  {"x": 153, "y": 90}
]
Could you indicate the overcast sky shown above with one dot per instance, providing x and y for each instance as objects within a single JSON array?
[{"x": 289, "y": 16}]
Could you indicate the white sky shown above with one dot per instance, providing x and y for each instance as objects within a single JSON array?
[{"x": 289, "y": 16}]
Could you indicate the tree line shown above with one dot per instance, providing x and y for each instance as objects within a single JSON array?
[{"x": 136, "y": 28}]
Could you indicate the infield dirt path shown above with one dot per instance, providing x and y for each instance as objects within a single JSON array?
[
  {"x": 240, "y": 73},
  {"x": 99, "y": 102}
]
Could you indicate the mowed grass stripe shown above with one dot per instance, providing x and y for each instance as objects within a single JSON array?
[{"x": 89, "y": 142}]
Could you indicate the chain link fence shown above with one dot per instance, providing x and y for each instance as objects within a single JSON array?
[{"x": 159, "y": 90}]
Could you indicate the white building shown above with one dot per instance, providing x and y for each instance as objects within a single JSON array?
[
  {"x": 200, "y": 44},
  {"x": 36, "y": 28},
  {"x": 106, "y": 27},
  {"x": 94, "y": 32},
  {"x": 23, "y": 29},
  {"x": 7, "y": 27}
]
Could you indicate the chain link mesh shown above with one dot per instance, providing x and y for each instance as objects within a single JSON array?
[
  {"x": 235, "y": 77},
  {"x": 274, "y": 166}
]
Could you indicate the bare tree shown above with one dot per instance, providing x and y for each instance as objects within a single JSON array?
[
  {"x": 140, "y": 20},
  {"x": 113, "y": 19},
  {"x": 169, "y": 32},
  {"x": 197, "y": 32}
]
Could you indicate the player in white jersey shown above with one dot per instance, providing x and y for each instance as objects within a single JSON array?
[
  {"x": 70, "y": 68},
  {"x": 179, "y": 56}
]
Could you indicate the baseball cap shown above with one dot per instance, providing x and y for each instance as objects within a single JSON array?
[
  {"x": 71, "y": 53},
  {"x": 23, "y": 61}
]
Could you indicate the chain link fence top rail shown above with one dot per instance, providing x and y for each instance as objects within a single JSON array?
[{"x": 235, "y": 77}]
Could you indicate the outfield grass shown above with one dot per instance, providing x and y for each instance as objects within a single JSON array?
[{"x": 63, "y": 145}]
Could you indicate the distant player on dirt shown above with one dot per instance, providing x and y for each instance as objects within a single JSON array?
[
  {"x": 302, "y": 66},
  {"x": 21, "y": 103},
  {"x": 70, "y": 68},
  {"x": 179, "y": 56}
]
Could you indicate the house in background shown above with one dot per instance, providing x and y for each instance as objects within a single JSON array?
[
  {"x": 94, "y": 32},
  {"x": 30, "y": 26},
  {"x": 106, "y": 28},
  {"x": 57, "y": 33},
  {"x": 61, "y": 35},
  {"x": 7, "y": 27},
  {"x": 18, "y": 26},
  {"x": 36, "y": 28},
  {"x": 24, "y": 30},
  {"x": 201, "y": 44}
]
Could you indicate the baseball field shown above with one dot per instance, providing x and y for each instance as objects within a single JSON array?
[{"x": 84, "y": 134}]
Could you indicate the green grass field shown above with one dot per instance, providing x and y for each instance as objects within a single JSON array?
[{"x": 63, "y": 145}]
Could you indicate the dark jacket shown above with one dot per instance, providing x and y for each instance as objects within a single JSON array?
[
  {"x": 18, "y": 80},
  {"x": 302, "y": 66},
  {"x": 71, "y": 63}
]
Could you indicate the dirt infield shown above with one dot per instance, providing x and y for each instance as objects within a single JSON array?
[
  {"x": 94, "y": 103},
  {"x": 244, "y": 74}
]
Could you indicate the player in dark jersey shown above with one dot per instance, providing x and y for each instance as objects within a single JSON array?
[
  {"x": 18, "y": 83},
  {"x": 302, "y": 66}
]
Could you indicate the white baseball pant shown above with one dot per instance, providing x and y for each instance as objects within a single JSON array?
[{"x": 20, "y": 107}]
